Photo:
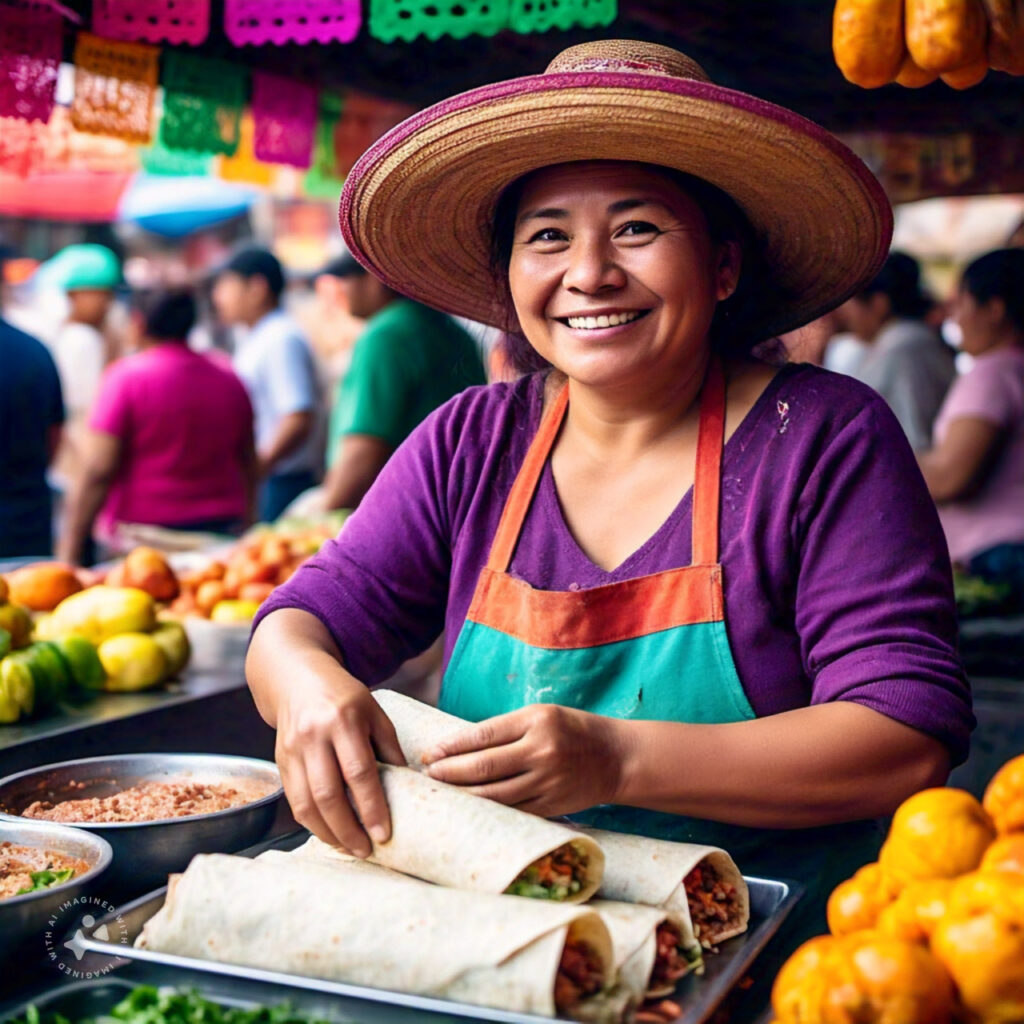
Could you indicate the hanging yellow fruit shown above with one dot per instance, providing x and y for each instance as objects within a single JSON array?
[
  {"x": 944, "y": 35},
  {"x": 867, "y": 40}
]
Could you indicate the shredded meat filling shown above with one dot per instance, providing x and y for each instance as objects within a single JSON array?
[
  {"x": 712, "y": 902},
  {"x": 580, "y": 975},
  {"x": 148, "y": 801},
  {"x": 670, "y": 960}
]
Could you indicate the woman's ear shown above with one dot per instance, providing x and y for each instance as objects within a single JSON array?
[{"x": 727, "y": 273}]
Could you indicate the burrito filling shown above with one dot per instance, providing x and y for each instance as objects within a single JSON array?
[
  {"x": 714, "y": 903},
  {"x": 556, "y": 876},
  {"x": 580, "y": 974},
  {"x": 673, "y": 959}
]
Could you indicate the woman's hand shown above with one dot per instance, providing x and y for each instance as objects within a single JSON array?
[
  {"x": 330, "y": 732},
  {"x": 545, "y": 759}
]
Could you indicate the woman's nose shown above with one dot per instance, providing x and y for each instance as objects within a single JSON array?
[{"x": 592, "y": 267}]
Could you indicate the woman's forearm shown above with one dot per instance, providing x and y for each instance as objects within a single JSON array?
[
  {"x": 812, "y": 766},
  {"x": 287, "y": 643}
]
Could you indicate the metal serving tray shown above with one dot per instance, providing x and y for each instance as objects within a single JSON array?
[{"x": 698, "y": 997}]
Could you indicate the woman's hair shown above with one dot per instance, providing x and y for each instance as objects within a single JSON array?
[
  {"x": 999, "y": 275},
  {"x": 166, "y": 315},
  {"x": 733, "y": 331},
  {"x": 900, "y": 281}
]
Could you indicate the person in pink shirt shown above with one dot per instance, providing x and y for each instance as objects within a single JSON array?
[
  {"x": 171, "y": 437},
  {"x": 975, "y": 469}
]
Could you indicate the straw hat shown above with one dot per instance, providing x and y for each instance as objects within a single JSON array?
[{"x": 417, "y": 208}]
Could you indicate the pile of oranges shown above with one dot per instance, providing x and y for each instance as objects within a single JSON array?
[
  {"x": 247, "y": 573},
  {"x": 934, "y": 931}
]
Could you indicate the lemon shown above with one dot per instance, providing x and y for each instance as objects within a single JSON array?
[
  {"x": 234, "y": 611},
  {"x": 132, "y": 661}
]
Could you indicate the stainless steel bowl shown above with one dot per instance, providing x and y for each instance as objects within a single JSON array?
[
  {"x": 146, "y": 852},
  {"x": 24, "y": 919}
]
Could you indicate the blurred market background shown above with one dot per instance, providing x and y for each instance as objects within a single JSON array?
[{"x": 176, "y": 133}]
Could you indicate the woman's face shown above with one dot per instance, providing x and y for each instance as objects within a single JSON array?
[
  {"x": 978, "y": 322},
  {"x": 613, "y": 274}
]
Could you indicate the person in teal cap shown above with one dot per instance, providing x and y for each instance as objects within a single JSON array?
[{"x": 88, "y": 273}]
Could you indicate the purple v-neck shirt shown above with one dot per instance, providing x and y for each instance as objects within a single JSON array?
[{"x": 837, "y": 580}]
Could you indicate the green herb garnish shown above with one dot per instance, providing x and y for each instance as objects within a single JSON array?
[{"x": 46, "y": 879}]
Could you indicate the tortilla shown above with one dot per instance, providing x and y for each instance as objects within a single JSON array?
[
  {"x": 634, "y": 931},
  {"x": 441, "y": 833},
  {"x": 637, "y": 869},
  {"x": 631, "y": 926},
  {"x": 419, "y": 726},
  {"x": 652, "y": 871},
  {"x": 343, "y": 922}
]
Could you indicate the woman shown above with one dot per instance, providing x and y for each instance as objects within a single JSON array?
[
  {"x": 906, "y": 361},
  {"x": 975, "y": 470},
  {"x": 571, "y": 531},
  {"x": 170, "y": 438}
]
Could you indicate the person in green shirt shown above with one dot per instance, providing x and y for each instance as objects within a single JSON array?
[{"x": 409, "y": 360}]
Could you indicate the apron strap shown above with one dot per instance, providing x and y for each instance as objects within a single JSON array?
[
  {"x": 514, "y": 514},
  {"x": 706, "y": 484},
  {"x": 707, "y": 481}
]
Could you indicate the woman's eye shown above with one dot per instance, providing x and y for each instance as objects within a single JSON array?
[
  {"x": 548, "y": 235},
  {"x": 637, "y": 229}
]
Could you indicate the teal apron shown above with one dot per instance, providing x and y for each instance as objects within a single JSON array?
[{"x": 652, "y": 648}]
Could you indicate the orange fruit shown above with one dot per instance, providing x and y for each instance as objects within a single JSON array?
[
  {"x": 917, "y": 910},
  {"x": 856, "y": 903},
  {"x": 42, "y": 586},
  {"x": 937, "y": 833},
  {"x": 1005, "y": 854},
  {"x": 1004, "y": 796}
]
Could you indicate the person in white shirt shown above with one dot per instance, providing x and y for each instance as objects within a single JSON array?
[
  {"x": 89, "y": 274},
  {"x": 276, "y": 365}
]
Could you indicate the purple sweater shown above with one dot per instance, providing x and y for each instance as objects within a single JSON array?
[{"x": 837, "y": 581}]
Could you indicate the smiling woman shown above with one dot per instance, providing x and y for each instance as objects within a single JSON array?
[{"x": 686, "y": 592}]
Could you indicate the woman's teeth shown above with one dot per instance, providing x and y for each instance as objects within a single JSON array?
[{"x": 591, "y": 323}]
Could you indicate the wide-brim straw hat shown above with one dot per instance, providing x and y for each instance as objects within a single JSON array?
[{"x": 417, "y": 209}]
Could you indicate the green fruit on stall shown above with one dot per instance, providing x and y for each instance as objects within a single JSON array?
[
  {"x": 17, "y": 684},
  {"x": 16, "y": 621},
  {"x": 172, "y": 639},
  {"x": 5, "y": 643},
  {"x": 49, "y": 672},
  {"x": 132, "y": 661},
  {"x": 100, "y": 613},
  {"x": 87, "y": 670}
]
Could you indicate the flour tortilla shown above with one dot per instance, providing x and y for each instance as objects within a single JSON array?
[
  {"x": 441, "y": 833},
  {"x": 419, "y": 726},
  {"x": 634, "y": 931},
  {"x": 345, "y": 923},
  {"x": 651, "y": 871},
  {"x": 631, "y": 926},
  {"x": 637, "y": 869}
]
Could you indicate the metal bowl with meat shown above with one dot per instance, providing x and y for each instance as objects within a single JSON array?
[
  {"x": 155, "y": 810},
  {"x": 41, "y": 867}
]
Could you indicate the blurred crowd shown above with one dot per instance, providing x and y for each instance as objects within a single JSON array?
[
  {"x": 203, "y": 408},
  {"x": 245, "y": 396}
]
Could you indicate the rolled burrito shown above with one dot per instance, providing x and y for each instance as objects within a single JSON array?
[
  {"x": 441, "y": 833},
  {"x": 698, "y": 883},
  {"x": 650, "y": 947},
  {"x": 701, "y": 883},
  {"x": 344, "y": 923},
  {"x": 650, "y": 951}
]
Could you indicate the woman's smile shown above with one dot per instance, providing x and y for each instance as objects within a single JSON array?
[{"x": 603, "y": 321}]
